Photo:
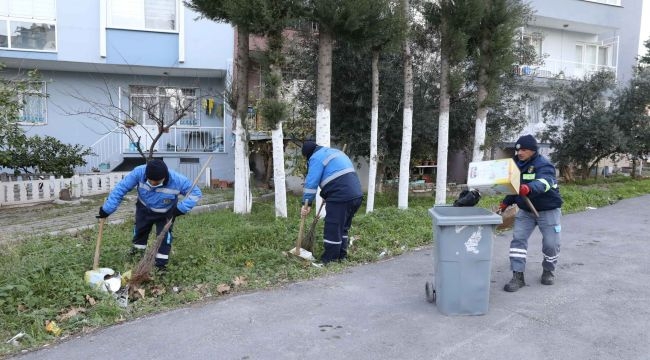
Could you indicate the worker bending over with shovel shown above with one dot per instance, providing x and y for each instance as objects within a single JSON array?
[
  {"x": 538, "y": 182},
  {"x": 334, "y": 172},
  {"x": 158, "y": 190}
]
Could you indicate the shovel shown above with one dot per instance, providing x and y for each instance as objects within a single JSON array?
[{"x": 99, "y": 243}]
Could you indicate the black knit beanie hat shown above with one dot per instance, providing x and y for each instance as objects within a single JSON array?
[
  {"x": 526, "y": 142},
  {"x": 308, "y": 148},
  {"x": 156, "y": 170}
]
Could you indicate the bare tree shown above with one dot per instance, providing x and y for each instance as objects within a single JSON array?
[{"x": 149, "y": 112}]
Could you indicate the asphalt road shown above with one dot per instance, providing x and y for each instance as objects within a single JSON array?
[{"x": 598, "y": 309}]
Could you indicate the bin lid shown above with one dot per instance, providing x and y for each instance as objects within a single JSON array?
[{"x": 454, "y": 215}]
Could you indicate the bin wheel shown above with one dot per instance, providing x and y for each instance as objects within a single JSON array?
[{"x": 430, "y": 292}]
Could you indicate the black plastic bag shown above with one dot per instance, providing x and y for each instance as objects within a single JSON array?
[{"x": 468, "y": 198}]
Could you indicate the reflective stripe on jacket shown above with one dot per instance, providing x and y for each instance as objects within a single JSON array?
[
  {"x": 334, "y": 172},
  {"x": 539, "y": 174},
  {"x": 160, "y": 199}
]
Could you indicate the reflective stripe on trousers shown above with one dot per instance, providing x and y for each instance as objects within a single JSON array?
[
  {"x": 550, "y": 227},
  {"x": 144, "y": 221},
  {"x": 337, "y": 224}
]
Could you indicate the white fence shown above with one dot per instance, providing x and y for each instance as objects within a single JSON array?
[{"x": 25, "y": 192}]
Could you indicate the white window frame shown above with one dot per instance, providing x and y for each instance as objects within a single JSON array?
[
  {"x": 534, "y": 39},
  {"x": 157, "y": 94},
  {"x": 534, "y": 110},
  {"x": 10, "y": 13},
  {"x": 138, "y": 11},
  {"x": 596, "y": 49},
  {"x": 606, "y": 2},
  {"x": 39, "y": 93}
]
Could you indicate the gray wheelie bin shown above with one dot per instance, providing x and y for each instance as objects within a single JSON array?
[{"x": 462, "y": 258}]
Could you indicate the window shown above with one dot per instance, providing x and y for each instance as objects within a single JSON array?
[
  {"x": 34, "y": 109},
  {"x": 593, "y": 57},
  {"x": 534, "y": 110},
  {"x": 28, "y": 24},
  {"x": 165, "y": 103},
  {"x": 607, "y": 2},
  {"x": 534, "y": 40},
  {"x": 154, "y": 15}
]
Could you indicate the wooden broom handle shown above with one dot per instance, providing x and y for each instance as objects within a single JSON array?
[
  {"x": 300, "y": 231},
  {"x": 98, "y": 245}
]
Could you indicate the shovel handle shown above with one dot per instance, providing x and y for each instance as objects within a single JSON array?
[
  {"x": 530, "y": 206},
  {"x": 301, "y": 231},
  {"x": 99, "y": 243}
]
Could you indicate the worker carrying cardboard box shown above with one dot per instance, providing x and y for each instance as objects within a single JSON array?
[{"x": 539, "y": 184}]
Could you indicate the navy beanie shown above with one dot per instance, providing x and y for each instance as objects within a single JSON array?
[
  {"x": 156, "y": 170},
  {"x": 308, "y": 148},
  {"x": 527, "y": 142}
]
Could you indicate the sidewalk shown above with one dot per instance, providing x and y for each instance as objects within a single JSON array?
[
  {"x": 19, "y": 223},
  {"x": 598, "y": 309}
]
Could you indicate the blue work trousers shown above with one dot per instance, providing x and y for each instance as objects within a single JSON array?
[
  {"x": 144, "y": 221},
  {"x": 338, "y": 220},
  {"x": 549, "y": 225}
]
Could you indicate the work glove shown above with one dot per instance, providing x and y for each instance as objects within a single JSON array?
[
  {"x": 524, "y": 190},
  {"x": 102, "y": 214},
  {"x": 304, "y": 210}
]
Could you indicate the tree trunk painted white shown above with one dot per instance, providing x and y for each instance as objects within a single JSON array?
[
  {"x": 481, "y": 112},
  {"x": 324, "y": 90},
  {"x": 374, "y": 124},
  {"x": 407, "y": 122},
  {"x": 279, "y": 182},
  {"x": 243, "y": 200},
  {"x": 443, "y": 130},
  {"x": 323, "y": 95}
]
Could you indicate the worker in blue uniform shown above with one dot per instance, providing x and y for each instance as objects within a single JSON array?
[
  {"x": 539, "y": 184},
  {"x": 158, "y": 190},
  {"x": 332, "y": 171}
]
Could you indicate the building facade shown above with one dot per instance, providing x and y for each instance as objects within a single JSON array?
[
  {"x": 107, "y": 63},
  {"x": 576, "y": 38}
]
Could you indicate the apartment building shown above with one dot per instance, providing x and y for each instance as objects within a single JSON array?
[
  {"x": 101, "y": 61},
  {"x": 576, "y": 38}
]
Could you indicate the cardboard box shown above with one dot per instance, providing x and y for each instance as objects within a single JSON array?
[{"x": 494, "y": 177}]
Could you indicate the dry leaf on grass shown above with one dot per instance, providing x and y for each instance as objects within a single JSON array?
[
  {"x": 91, "y": 300},
  {"x": 157, "y": 290},
  {"x": 71, "y": 313},
  {"x": 239, "y": 281},
  {"x": 223, "y": 288},
  {"x": 249, "y": 264},
  {"x": 136, "y": 293}
]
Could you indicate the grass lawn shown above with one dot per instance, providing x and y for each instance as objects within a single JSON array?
[{"x": 214, "y": 254}]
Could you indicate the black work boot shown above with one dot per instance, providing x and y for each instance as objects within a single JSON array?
[
  {"x": 516, "y": 282},
  {"x": 547, "y": 277}
]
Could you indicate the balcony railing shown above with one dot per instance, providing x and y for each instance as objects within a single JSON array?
[
  {"x": 110, "y": 149},
  {"x": 187, "y": 139},
  {"x": 561, "y": 69}
]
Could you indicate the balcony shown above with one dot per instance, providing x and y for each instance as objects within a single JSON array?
[
  {"x": 560, "y": 69},
  {"x": 110, "y": 150},
  {"x": 182, "y": 139}
]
